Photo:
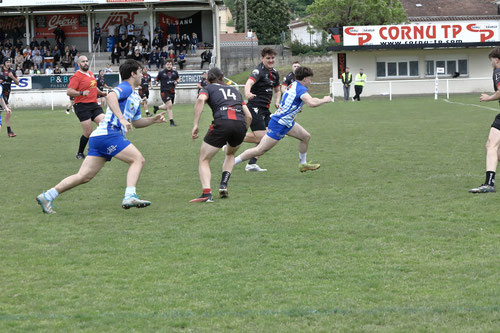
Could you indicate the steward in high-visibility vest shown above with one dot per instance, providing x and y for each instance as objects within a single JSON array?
[
  {"x": 359, "y": 83},
  {"x": 346, "y": 83}
]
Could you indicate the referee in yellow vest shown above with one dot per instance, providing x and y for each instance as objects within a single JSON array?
[
  {"x": 359, "y": 83},
  {"x": 346, "y": 83}
]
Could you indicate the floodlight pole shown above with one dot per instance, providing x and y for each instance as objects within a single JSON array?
[{"x": 245, "y": 10}]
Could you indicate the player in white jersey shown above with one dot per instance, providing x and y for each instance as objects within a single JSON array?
[
  {"x": 108, "y": 140},
  {"x": 283, "y": 120}
]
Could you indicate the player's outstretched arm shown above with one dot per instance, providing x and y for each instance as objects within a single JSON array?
[
  {"x": 145, "y": 122},
  {"x": 486, "y": 97},
  {"x": 198, "y": 109},
  {"x": 248, "y": 87},
  {"x": 313, "y": 101}
]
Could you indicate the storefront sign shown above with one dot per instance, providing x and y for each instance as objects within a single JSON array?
[{"x": 426, "y": 34}]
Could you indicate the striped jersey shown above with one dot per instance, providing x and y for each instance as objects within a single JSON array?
[
  {"x": 130, "y": 105},
  {"x": 291, "y": 104}
]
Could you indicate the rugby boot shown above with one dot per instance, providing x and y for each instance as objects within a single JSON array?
[
  {"x": 204, "y": 198},
  {"x": 483, "y": 189},
  {"x": 254, "y": 167},
  {"x": 45, "y": 203},
  {"x": 134, "y": 201},
  {"x": 11, "y": 134},
  {"x": 223, "y": 192},
  {"x": 308, "y": 167},
  {"x": 155, "y": 109}
]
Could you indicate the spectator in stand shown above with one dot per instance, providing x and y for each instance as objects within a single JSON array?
[
  {"x": 57, "y": 70},
  {"x": 138, "y": 47},
  {"x": 29, "y": 71},
  {"x": 48, "y": 60},
  {"x": 36, "y": 71},
  {"x": 19, "y": 59},
  {"x": 19, "y": 70},
  {"x": 27, "y": 51},
  {"x": 177, "y": 44},
  {"x": 97, "y": 37},
  {"x": 146, "y": 50},
  {"x": 184, "y": 43},
  {"x": 171, "y": 56},
  {"x": 111, "y": 30},
  {"x": 43, "y": 50},
  {"x": 137, "y": 56},
  {"x": 115, "y": 54},
  {"x": 144, "y": 41},
  {"x": 73, "y": 50},
  {"x": 123, "y": 47},
  {"x": 181, "y": 60},
  {"x": 159, "y": 32},
  {"x": 145, "y": 31},
  {"x": 28, "y": 61},
  {"x": 66, "y": 60},
  {"x": 122, "y": 31},
  {"x": 206, "y": 57},
  {"x": 6, "y": 52},
  {"x": 49, "y": 71},
  {"x": 56, "y": 53},
  {"x": 59, "y": 32},
  {"x": 130, "y": 30},
  {"x": 194, "y": 43},
  {"x": 154, "y": 58},
  {"x": 133, "y": 41},
  {"x": 163, "y": 56},
  {"x": 108, "y": 69},
  {"x": 130, "y": 52},
  {"x": 169, "y": 42},
  {"x": 60, "y": 44},
  {"x": 33, "y": 44},
  {"x": 45, "y": 43},
  {"x": 75, "y": 60},
  {"x": 156, "y": 42},
  {"x": 37, "y": 58}
]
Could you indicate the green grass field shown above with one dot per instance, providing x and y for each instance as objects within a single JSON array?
[{"x": 383, "y": 238}]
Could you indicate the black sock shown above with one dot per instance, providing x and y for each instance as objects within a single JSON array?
[
  {"x": 9, "y": 130},
  {"x": 83, "y": 143},
  {"x": 225, "y": 177},
  {"x": 253, "y": 160},
  {"x": 171, "y": 121},
  {"x": 490, "y": 178}
]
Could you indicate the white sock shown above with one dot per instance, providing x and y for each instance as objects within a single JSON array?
[
  {"x": 302, "y": 158},
  {"x": 238, "y": 160},
  {"x": 129, "y": 191},
  {"x": 51, "y": 194}
]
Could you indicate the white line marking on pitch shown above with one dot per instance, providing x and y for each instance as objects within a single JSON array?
[{"x": 478, "y": 106}]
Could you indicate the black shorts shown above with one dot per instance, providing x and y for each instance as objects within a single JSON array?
[
  {"x": 167, "y": 96},
  {"x": 496, "y": 122},
  {"x": 225, "y": 131},
  {"x": 85, "y": 111},
  {"x": 260, "y": 117},
  {"x": 6, "y": 95},
  {"x": 144, "y": 93}
]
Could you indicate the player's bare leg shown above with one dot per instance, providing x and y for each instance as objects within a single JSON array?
[
  {"x": 227, "y": 168},
  {"x": 492, "y": 155},
  {"x": 254, "y": 137},
  {"x": 168, "y": 107},
  {"x": 8, "y": 114},
  {"x": 301, "y": 134},
  {"x": 207, "y": 152}
]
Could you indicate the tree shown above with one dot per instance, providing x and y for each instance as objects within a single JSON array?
[
  {"x": 298, "y": 7},
  {"x": 325, "y": 14},
  {"x": 266, "y": 18}
]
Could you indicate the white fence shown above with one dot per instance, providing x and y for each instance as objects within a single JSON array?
[{"x": 391, "y": 89}]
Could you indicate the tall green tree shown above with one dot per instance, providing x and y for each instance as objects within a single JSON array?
[
  {"x": 298, "y": 7},
  {"x": 324, "y": 14},
  {"x": 268, "y": 19}
]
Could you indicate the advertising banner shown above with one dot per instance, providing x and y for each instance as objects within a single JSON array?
[
  {"x": 426, "y": 34},
  {"x": 24, "y": 83},
  {"x": 62, "y": 81},
  {"x": 73, "y": 25},
  {"x": 13, "y": 26},
  {"x": 106, "y": 20},
  {"x": 175, "y": 25}
]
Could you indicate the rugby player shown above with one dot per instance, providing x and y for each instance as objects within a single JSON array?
[
  {"x": 283, "y": 123},
  {"x": 108, "y": 140},
  {"x": 168, "y": 79},
  {"x": 259, "y": 92},
  {"x": 83, "y": 87},
  {"x": 9, "y": 77},
  {"x": 144, "y": 90},
  {"x": 231, "y": 120},
  {"x": 101, "y": 85},
  {"x": 493, "y": 142},
  {"x": 2, "y": 101},
  {"x": 290, "y": 77}
]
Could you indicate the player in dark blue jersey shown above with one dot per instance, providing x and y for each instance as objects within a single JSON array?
[
  {"x": 231, "y": 120},
  {"x": 493, "y": 142},
  {"x": 283, "y": 120}
]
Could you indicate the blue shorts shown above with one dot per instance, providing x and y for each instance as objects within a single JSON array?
[
  {"x": 107, "y": 145},
  {"x": 277, "y": 131}
]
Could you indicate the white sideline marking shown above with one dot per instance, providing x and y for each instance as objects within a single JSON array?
[{"x": 478, "y": 106}]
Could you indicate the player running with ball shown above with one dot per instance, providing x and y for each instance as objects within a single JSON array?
[{"x": 283, "y": 120}]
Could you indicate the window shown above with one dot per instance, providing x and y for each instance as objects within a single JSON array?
[
  {"x": 451, "y": 66},
  {"x": 397, "y": 68}
]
